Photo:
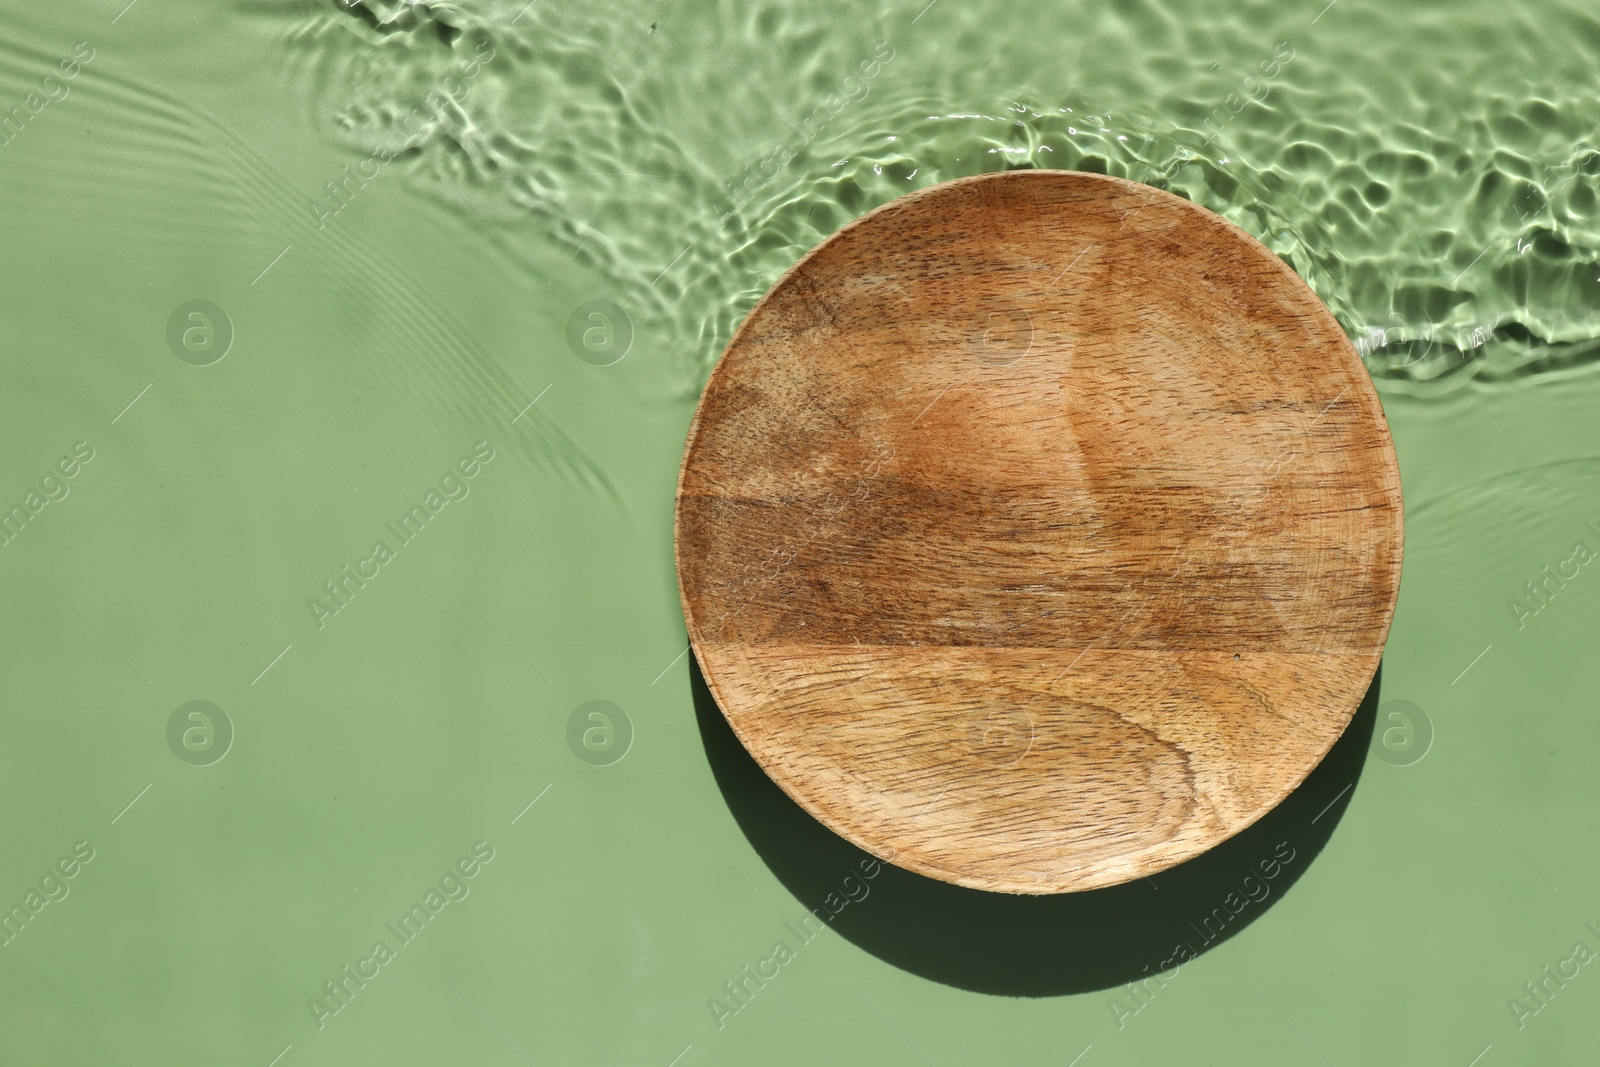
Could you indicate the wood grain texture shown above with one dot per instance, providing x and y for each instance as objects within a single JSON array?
[{"x": 1038, "y": 531}]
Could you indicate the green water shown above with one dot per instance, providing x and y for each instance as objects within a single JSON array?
[{"x": 193, "y": 477}]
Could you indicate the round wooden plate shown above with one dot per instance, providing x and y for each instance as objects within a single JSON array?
[{"x": 1038, "y": 530}]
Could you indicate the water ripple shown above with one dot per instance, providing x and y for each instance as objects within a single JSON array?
[{"x": 689, "y": 154}]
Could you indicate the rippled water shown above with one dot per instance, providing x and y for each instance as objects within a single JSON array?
[
  {"x": 395, "y": 214},
  {"x": 1436, "y": 188}
]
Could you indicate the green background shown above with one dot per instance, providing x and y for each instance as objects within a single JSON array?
[{"x": 1430, "y": 169}]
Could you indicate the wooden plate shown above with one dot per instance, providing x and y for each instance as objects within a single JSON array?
[{"x": 1038, "y": 531}]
